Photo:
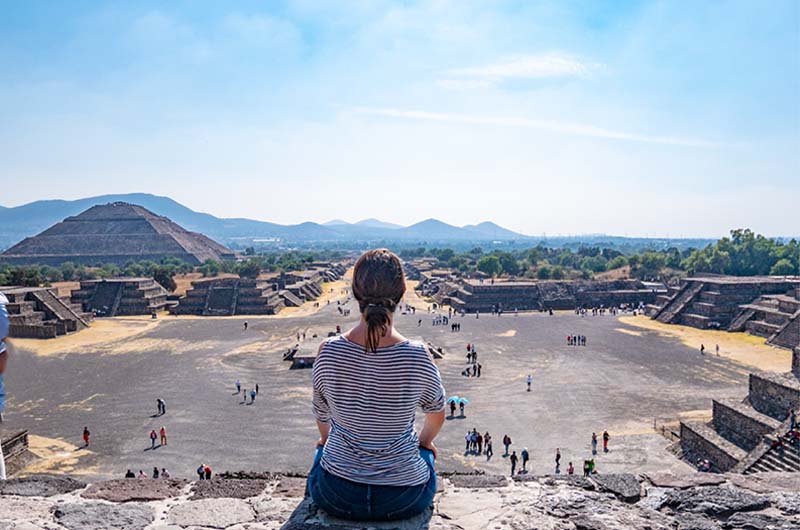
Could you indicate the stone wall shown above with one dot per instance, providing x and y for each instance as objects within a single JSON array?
[
  {"x": 264, "y": 501},
  {"x": 696, "y": 444},
  {"x": 774, "y": 395}
]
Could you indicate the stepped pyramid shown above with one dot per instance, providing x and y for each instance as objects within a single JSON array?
[{"x": 114, "y": 233}]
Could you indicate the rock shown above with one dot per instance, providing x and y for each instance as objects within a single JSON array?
[
  {"x": 290, "y": 487},
  {"x": 16, "y": 509},
  {"x": 586, "y": 522},
  {"x": 102, "y": 516},
  {"x": 767, "y": 482},
  {"x": 670, "y": 480},
  {"x": 478, "y": 481},
  {"x": 128, "y": 490},
  {"x": 716, "y": 501},
  {"x": 760, "y": 521},
  {"x": 788, "y": 503},
  {"x": 230, "y": 488},
  {"x": 39, "y": 486},
  {"x": 696, "y": 522},
  {"x": 624, "y": 485},
  {"x": 214, "y": 513}
]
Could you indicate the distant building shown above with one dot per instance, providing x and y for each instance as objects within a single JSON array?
[{"x": 115, "y": 233}]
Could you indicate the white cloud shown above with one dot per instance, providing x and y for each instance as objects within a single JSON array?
[
  {"x": 540, "y": 66},
  {"x": 577, "y": 129}
]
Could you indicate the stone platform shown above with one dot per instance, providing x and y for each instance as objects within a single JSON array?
[{"x": 263, "y": 501}]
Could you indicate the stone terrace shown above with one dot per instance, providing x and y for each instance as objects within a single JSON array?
[
  {"x": 260, "y": 501},
  {"x": 120, "y": 296},
  {"x": 37, "y": 312}
]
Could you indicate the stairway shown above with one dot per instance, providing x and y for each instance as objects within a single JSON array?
[
  {"x": 56, "y": 306},
  {"x": 741, "y": 319},
  {"x": 668, "y": 313}
]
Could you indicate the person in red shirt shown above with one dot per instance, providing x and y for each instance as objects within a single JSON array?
[{"x": 86, "y": 437}]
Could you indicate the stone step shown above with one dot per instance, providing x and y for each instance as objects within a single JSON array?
[
  {"x": 741, "y": 424},
  {"x": 700, "y": 441}
]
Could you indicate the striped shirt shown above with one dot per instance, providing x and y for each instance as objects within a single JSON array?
[{"x": 370, "y": 401}]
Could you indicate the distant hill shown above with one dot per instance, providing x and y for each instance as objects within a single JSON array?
[{"x": 30, "y": 219}]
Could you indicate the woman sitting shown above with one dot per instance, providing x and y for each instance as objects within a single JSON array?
[{"x": 370, "y": 464}]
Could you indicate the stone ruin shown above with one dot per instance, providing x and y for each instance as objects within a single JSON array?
[
  {"x": 120, "y": 296},
  {"x": 276, "y": 501},
  {"x": 39, "y": 313},
  {"x": 741, "y": 434},
  {"x": 248, "y": 296},
  {"x": 767, "y": 306},
  {"x": 485, "y": 296},
  {"x": 115, "y": 233}
]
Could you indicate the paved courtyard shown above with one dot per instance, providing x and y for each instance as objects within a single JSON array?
[{"x": 621, "y": 381}]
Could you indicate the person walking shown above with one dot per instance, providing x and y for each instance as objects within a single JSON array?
[
  {"x": 256, "y": 388},
  {"x": 530, "y": 380},
  {"x": 468, "y": 441},
  {"x": 201, "y": 472},
  {"x": 506, "y": 443},
  {"x": 238, "y": 386},
  {"x": 558, "y": 457},
  {"x": 207, "y": 472},
  {"x": 513, "y": 460},
  {"x": 606, "y": 437},
  {"x": 153, "y": 438},
  {"x": 525, "y": 457},
  {"x": 374, "y": 465},
  {"x": 452, "y": 409},
  {"x": 594, "y": 443},
  {"x": 702, "y": 349},
  {"x": 461, "y": 408},
  {"x": 253, "y": 396},
  {"x": 487, "y": 443},
  {"x": 163, "y": 433},
  {"x": 86, "y": 435}
]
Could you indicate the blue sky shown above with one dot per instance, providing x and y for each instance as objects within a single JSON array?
[{"x": 638, "y": 118}]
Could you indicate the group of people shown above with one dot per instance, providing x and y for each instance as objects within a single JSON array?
[
  {"x": 161, "y": 435},
  {"x": 455, "y": 326},
  {"x": 461, "y": 405},
  {"x": 576, "y": 340},
  {"x": 440, "y": 320},
  {"x": 243, "y": 391},
  {"x": 204, "y": 472},
  {"x": 474, "y": 368},
  {"x": 478, "y": 444},
  {"x": 703, "y": 349},
  {"x": 606, "y": 438},
  {"x": 156, "y": 473}
]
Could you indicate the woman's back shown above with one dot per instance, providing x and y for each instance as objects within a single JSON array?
[{"x": 370, "y": 400}]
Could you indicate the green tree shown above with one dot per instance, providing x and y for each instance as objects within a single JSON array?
[
  {"x": 508, "y": 263},
  {"x": 783, "y": 267},
  {"x": 490, "y": 265},
  {"x": 165, "y": 276},
  {"x": 616, "y": 263},
  {"x": 544, "y": 272}
]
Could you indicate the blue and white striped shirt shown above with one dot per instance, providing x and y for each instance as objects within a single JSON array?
[{"x": 370, "y": 400}]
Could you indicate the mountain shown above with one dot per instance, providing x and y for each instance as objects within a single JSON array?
[
  {"x": 27, "y": 220},
  {"x": 376, "y": 223},
  {"x": 335, "y": 222}
]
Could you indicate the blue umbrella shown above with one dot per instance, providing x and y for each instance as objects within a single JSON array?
[
  {"x": 453, "y": 399},
  {"x": 465, "y": 401}
]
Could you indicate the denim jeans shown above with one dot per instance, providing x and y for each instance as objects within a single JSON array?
[{"x": 365, "y": 502}]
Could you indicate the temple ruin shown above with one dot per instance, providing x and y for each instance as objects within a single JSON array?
[
  {"x": 743, "y": 435},
  {"x": 766, "y": 306},
  {"x": 115, "y": 233},
  {"x": 39, "y": 313},
  {"x": 120, "y": 296}
]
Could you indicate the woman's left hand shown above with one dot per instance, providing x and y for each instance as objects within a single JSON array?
[{"x": 432, "y": 448}]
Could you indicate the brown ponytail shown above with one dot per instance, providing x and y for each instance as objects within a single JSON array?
[{"x": 378, "y": 286}]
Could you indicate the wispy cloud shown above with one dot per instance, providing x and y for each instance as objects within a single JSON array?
[
  {"x": 525, "y": 67},
  {"x": 577, "y": 129}
]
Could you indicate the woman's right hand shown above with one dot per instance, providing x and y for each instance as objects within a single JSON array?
[{"x": 432, "y": 448}]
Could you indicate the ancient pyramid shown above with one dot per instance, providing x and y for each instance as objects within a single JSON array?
[{"x": 115, "y": 233}]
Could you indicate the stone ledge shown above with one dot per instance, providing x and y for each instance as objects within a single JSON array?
[{"x": 466, "y": 502}]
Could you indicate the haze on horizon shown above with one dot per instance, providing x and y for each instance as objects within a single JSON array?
[{"x": 626, "y": 118}]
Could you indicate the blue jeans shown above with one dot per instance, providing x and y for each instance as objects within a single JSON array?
[{"x": 365, "y": 502}]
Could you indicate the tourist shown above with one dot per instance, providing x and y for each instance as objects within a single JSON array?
[
  {"x": 162, "y": 406},
  {"x": 525, "y": 456},
  {"x": 530, "y": 380},
  {"x": 5, "y": 325},
  {"x": 570, "y": 469},
  {"x": 606, "y": 437},
  {"x": 130, "y": 474},
  {"x": 479, "y": 441},
  {"x": 591, "y": 466},
  {"x": 594, "y": 443},
  {"x": 792, "y": 419},
  {"x": 86, "y": 435},
  {"x": 467, "y": 441},
  {"x": 142, "y": 475},
  {"x": 717, "y": 348},
  {"x": 238, "y": 386},
  {"x": 207, "y": 472},
  {"x": 586, "y": 468},
  {"x": 461, "y": 408},
  {"x": 452, "y": 408},
  {"x": 558, "y": 457},
  {"x": 374, "y": 464},
  {"x": 506, "y": 443},
  {"x": 245, "y": 325},
  {"x": 201, "y": 472},
  {"x": 165, "y": 473},
  {"x": 252, "y": 396},
  {"x": 163, "y": 434},
  {"x": 513, "y": 460},
  {"x": 487, "y": 443},
  {"x": 478, "y": 368},
  {"x": 153, "y": 438},
  {"x": 155, "y": 472},
  {"x": 702, "y": 349},
  {"x": 256, "y": 388}
]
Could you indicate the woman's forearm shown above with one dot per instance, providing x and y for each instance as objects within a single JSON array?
[
  {"x": 324, "y": 429},
  {"x": 433, "y": 424}
]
